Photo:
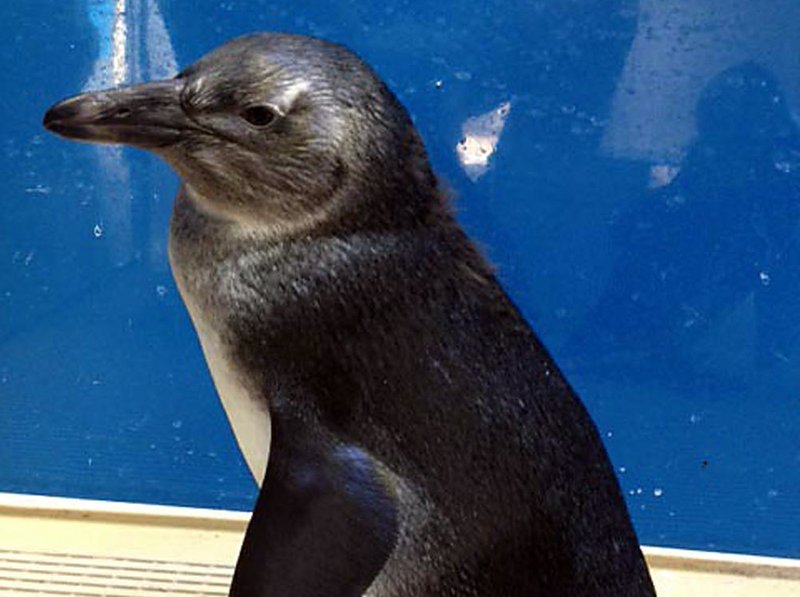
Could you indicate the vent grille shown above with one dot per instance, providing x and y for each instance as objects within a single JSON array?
[{"x": 58, "y": 574}]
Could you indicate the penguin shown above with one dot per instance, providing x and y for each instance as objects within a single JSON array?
[{"x": 410, "y": 434}]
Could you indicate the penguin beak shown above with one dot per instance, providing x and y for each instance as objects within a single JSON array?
[{"x": 147, "y": 116}]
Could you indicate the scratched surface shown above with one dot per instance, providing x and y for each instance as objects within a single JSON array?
[{"x": 633, "y": 169}]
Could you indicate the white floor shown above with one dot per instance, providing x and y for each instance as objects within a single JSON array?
[{"x": 64, "y": 547}]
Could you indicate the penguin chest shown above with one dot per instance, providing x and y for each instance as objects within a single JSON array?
[{"x": 245, "y": 408}]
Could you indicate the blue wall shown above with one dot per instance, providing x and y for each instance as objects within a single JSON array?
[{"x": 642, "y": 207}]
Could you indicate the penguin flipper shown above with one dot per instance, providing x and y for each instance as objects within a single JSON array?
[{"x": 324, "y": 524}]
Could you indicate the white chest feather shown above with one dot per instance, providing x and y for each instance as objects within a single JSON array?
[{"x": 246, "y": 412}]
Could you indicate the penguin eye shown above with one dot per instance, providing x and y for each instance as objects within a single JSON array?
[{"x": 259, "y": 116}]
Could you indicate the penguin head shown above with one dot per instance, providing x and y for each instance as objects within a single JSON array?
[{"x": 268, "y": 129}]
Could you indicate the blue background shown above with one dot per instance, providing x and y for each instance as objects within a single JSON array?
[{"x": 641, "y": 207}]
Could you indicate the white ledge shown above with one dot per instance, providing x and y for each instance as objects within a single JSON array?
[{"x": 66, "y": 546}]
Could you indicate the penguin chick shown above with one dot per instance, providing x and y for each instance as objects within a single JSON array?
[{"x": 421, "y": 440}]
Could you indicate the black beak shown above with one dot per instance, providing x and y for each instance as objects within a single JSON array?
[{"x": 148, "y": 115}]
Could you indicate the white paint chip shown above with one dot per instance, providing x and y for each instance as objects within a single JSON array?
[{"x": 480, "y": 136}]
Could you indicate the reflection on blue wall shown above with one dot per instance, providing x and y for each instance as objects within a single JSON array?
[{"x": 631, "y": 167}]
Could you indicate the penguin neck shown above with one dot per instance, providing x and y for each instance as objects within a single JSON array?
[
  {"x": 366, "y": 207},
  {"x": 205, "y": 248},
  {"x": 235, "y": 224}
]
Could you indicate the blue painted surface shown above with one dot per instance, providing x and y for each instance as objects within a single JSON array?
[{"x": 641, "y": 206}]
